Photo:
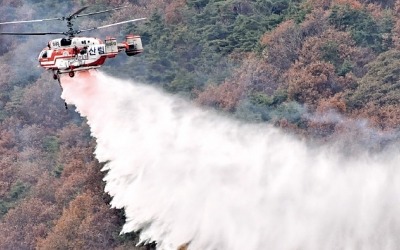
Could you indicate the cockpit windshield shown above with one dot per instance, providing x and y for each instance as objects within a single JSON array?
[{"x": 45, "y": 54}]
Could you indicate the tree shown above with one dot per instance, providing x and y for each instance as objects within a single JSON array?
[
  {"x": 313, "y": 82},
  {"x": 87, "y": 223},
  {"x": 224, "y": 96},
  {"x": 282, "y": 44},
  {"x": 24, "y": 224},
  {"x": 380, "y": 86},
  {"x": 41, "y": 104},
  {"x": 365, "y": 31},
  {"x": 379, "y": 90}
]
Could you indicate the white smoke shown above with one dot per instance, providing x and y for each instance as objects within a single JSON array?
[{"x": 188, "y": 175}]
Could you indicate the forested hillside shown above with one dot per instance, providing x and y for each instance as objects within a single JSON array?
[{"x": 325, "y": 70}]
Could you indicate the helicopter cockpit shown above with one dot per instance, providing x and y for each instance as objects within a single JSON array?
[
  {"x": 43, "y": 54},
  {"x": 60, "y": 42},
  {"x": 65, "y": 42}
]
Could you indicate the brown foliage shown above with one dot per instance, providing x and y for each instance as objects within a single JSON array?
[
  {"x": 282, "y": 45},
  {"x": 41, "y": 104},
  {"x": 327, "y": 116},
  {"x": 257, "y": 75},
  {"x": 264, "y": 77},
  {"x": 23, "y": 225},
  {"x": 326, "y": 4},
  {"x": 253, "y": 75},
  {"x": 285, "y": 41},
  {"x": 354, "y": 4},
  {"x": 87, "y": 223},
  {"x": 30, "y": 170},
  {"x": 314, "y": 24},
  {"x": 173, "y": 11},
  {"x": 312, "y": 82},
  {"x": 384, "y": 117},
  {"x": 318, "y": 4},
  {"x": 80, "y": 172},
  {"x": 376, "y": 11},
  {"x": 313, "y": 47},
  {"x": 384, "y": 4},
  {"x": 336, "y": 47},
  {"x": 7, "y": 141},
  {"x": 45, "y": 189},
  {"x": 335, "y": 103},
  {"x": 8, "y": 174},
  {"x": 324, "y": 67},
  {"x": 224, "y": 96},
  {"x": 31, "y": 135},
  {"x": 73, "y": 136}
]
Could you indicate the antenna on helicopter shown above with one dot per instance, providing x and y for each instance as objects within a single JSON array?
[{"x": 71, "y": 32}]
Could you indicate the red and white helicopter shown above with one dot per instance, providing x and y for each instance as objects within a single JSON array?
[{"x": 71, "y": 53}]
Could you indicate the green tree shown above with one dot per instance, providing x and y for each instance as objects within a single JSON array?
[{"x": 381, "y": 85}]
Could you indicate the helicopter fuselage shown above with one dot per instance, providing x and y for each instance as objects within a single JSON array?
[{"x": 67, "y": 55}]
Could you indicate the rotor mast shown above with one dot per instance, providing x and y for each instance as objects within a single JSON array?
[{"x": 71, "y": 32}]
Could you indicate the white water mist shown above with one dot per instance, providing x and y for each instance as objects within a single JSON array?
[{"x": 188, "y": 175}]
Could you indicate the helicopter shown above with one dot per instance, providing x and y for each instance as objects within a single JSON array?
[{"x": 77, "y": 53}]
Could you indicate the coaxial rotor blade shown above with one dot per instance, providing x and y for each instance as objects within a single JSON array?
[
  {"x": 113, "y": 24},
  {"x": 32, "y": 33},
  {"x": 49, "y": 19},
  {"x": 99, "y": 12},
  {"x": 33, "y": 21},
  {"x": 76, "y": 13}
]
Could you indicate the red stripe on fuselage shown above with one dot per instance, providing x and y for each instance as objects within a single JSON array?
[{"x": 59, "y": 55}]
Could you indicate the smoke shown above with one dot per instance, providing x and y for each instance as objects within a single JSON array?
[{"x": 188, "y": 175}]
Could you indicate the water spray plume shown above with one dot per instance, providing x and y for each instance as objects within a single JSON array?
[{"x": 185, "y": 175}]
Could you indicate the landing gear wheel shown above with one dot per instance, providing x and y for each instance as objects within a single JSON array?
[
  {"x": 55, "y": 77},
  {"x": 71, "y": 74}
]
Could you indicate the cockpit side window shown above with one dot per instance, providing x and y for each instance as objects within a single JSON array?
[{"x": 66, "y": 42}]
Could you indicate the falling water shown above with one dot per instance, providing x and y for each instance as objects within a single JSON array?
[{"x": 187, "y": 175}]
